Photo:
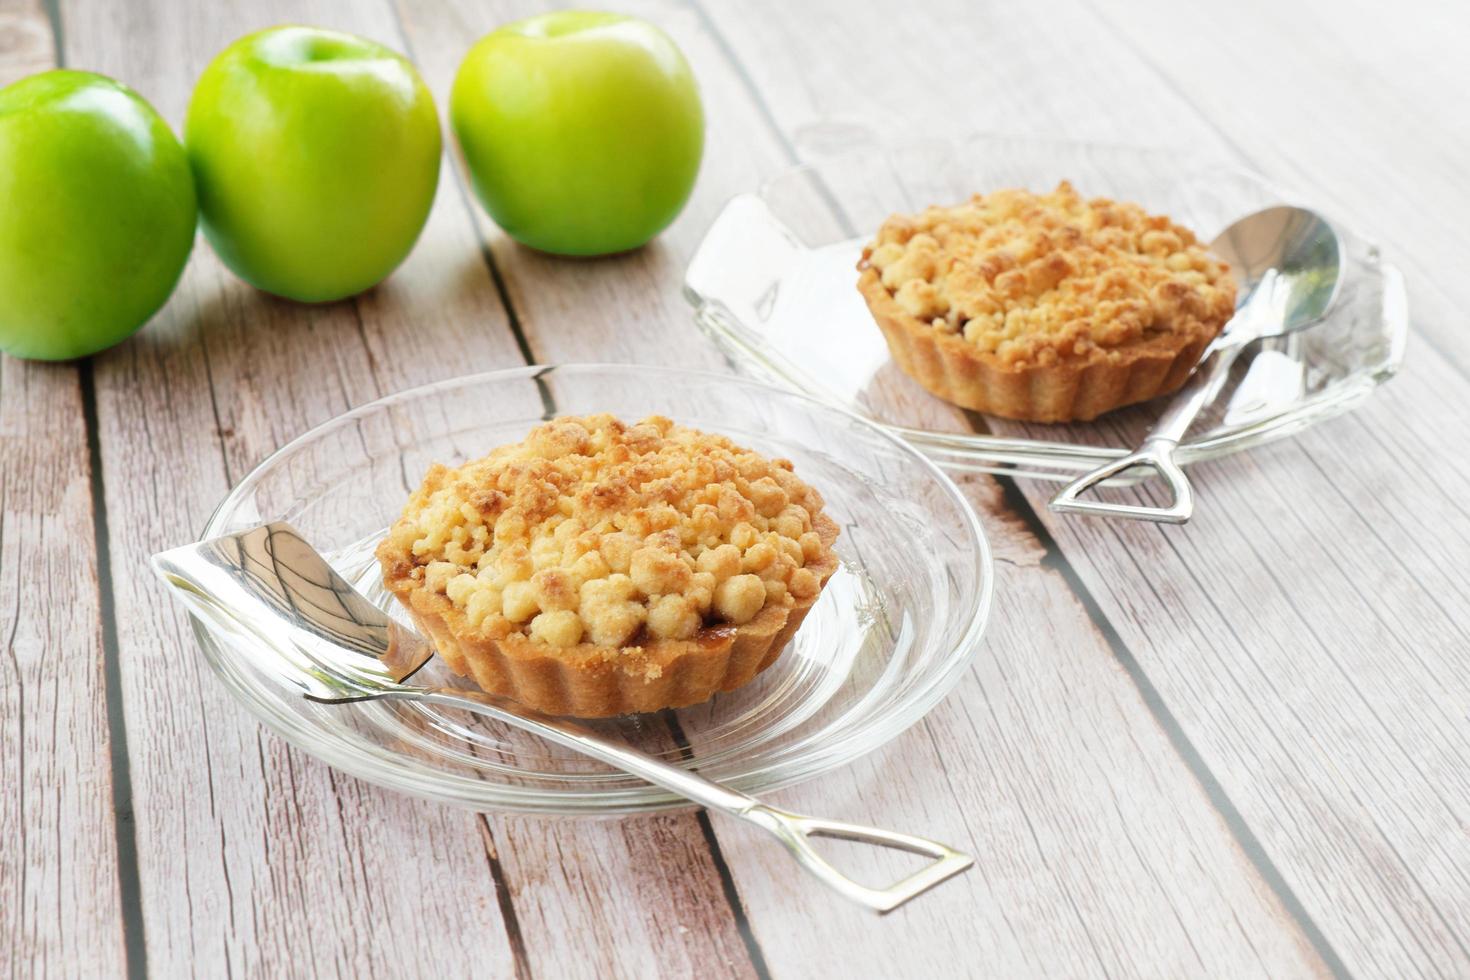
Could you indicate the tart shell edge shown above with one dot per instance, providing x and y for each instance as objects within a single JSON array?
[
  {"x": 953, "y": 369},
  {"x": 587, "y": 681}
]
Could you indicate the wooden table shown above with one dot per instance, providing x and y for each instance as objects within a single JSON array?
[{"x": 1235, "y": 748}]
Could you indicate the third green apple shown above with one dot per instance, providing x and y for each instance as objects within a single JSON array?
[{"x": 582, "y": 131}]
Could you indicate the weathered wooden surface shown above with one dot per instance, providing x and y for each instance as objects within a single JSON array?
[
  {"x": 1233, "y": 749},
  {"x": 1307, "y": 638},
  {"x": 252, "y": 858},
  {"x": 60, "y": 909}
]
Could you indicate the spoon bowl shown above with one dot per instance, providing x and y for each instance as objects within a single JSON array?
[{"x": 1288, "y": 265}]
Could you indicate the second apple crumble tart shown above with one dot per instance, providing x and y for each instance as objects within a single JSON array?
[
  {"x": 1044, "y": 307},
  {"x": 599, "y": 568}
]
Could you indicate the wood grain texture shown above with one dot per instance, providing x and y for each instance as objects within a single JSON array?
[
  {"x": 571, "y": 882},
  {"x": 27, "y": 44},
  {"x": 1384, "y": 144},
  {"x": 1097, "y": 855},
  {"x": 638, "y": 897},
  {"x": 255, "y": 858},
  {"x": 1233, "y": 749},
  {"x": 60, "y": 911},
  {"x": 59, "y": 901},
  {"x": 1306, "y": 634},
  {"x": 1222, "y": 918}
]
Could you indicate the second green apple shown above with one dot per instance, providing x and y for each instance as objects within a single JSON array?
[
  {"x": 316, "y": 157},
  {"x": 582, "y": 131}
]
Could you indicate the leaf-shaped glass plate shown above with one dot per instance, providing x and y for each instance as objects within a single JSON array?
[{"x": 774, "y": 283}]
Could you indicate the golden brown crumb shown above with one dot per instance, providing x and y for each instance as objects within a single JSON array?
[
  {"x": 594, "y": 531},
  {"x": 1033, "y": 278}
]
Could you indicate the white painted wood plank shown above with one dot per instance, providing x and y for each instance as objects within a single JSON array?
[
  {"x": 26, "y": 41},
  {"x": 1014, "y": 913},
  {"x": 253, "y": 857},
  {"x": 59, "y": 904},
  {"x": 633, "y": 897},
  {"x": 592, "y": 897},
  {"x": 1309, "y": 650},
  {"x": 1097, "y": 853},
  {"x": 59, "y": 901},
  {"x": 634, "y": 312},
  {"x": 1360, "y": 104}
]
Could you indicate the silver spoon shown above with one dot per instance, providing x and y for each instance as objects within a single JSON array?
[
  {"x": 1288, "y": 265},
  {"x": 305, "y": 627}
]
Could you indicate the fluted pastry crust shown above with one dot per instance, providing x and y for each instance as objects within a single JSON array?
[
  {"x": 587, "y": 681},
  {"x": 599, "y": 569},
  {"x": 1046, "y": 308}
]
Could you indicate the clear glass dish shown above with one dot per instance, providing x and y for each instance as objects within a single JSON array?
[
  {"x": 891, "y": 634},
  {"x": 774, "y": 283}
]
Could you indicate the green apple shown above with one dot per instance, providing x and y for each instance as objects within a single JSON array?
[
  {"x": 97, "y": 214},
  {"x": 582, "y": 131},
  {"x": 316, "y": 155}
]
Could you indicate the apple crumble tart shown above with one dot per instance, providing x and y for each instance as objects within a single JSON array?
[
  {"x": 599, "y": 568},
  {"x": 1044, "y": 307}
]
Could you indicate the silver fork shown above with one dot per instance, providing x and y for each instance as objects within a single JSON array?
[{"x": 307, "y": 629}]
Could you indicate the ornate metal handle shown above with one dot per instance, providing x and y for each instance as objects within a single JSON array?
[
  {"x": 1158, "y": 454},
  {"x": 1158, "y": 448},
  {"x": 793, "y": 830}
]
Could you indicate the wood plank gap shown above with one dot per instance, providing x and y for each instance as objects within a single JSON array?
[
  {"x": 503, "y": 897},
  {"x": 467, "y": 199},
  {"x": 1054, "y": 559},
  {"x": 1326, "y": 648},
  {"x": 58, "y": 39},
  {"x": 1250, "y": 845},
  {"x": 130, "y": 889},
  {"x": 722, "y": 867},
  {"x": 763, "y": 109},
  {"x": 501, "y": 289},
  {"x": 1407, "y": 926},
  {"x": 507, "y": 904},
  {"x": 746, "y": 80}
]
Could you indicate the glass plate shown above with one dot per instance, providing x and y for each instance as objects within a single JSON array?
[
  {"x": 774, "y": 283},
  {"x": 892, "y": 633}
]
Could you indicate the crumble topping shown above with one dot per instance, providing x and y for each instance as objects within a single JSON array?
[
  {"x": 591, "y": 530},
  {"x": 1032, "y": 278}
]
